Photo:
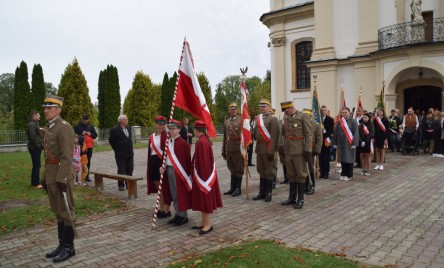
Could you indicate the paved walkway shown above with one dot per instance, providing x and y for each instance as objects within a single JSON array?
[{"x": 394, "y": 216}]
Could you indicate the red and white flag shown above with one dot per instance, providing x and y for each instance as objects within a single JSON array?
[
  {"x": 189, "y": 96},
  {"x": 246, "y": 131}
]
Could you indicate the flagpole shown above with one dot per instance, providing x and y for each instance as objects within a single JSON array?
[{"x": 159, "y": 191}]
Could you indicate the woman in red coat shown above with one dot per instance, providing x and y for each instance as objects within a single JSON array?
[
  {"x": 156, "y": 146},
  {"x": 205, "y": 191}
]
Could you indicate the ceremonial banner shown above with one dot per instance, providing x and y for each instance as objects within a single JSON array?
[
  {"x": 381, "y": 101},
  {"x": 246, "y": 132},
  {"x": 189, "y": 96},
  {"x": 359, "y": 104}
]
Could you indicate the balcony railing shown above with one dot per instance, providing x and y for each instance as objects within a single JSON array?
[{"x": 411, "y": 33}]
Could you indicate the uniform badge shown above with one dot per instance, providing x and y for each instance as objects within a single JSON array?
[
  {"x": 295, "y": 125},
  {"x": 51, "y": 125}
]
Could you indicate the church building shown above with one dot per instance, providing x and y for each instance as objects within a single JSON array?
[{"x": 357, "y": 45}]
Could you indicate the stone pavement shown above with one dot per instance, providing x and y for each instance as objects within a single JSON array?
[{"x": 394, "y": 217}]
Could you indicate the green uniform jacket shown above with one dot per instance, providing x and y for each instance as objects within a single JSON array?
[
  {"x": 271, "y": 123},
  {"x": 59, "y": 145},
  {"x": 297, "y": 133},
  {"x": 232, "y": 135}
]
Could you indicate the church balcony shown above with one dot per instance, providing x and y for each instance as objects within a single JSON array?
[{"x": 411, "y": 33}]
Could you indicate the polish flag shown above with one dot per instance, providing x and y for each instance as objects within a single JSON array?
[
  {"x": 246, "y": 132},
  {"x": 189, "y": 96}
]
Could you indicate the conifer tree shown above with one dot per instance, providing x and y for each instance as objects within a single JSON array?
[
  {"x": 38, "y": 89},
  {"x": 142, "y": 104},
  {"x": 74, "y": 89},
  {"x": 108, "y": 97},
  {"x": 22, "y": 97},
  {"x": 166, "y": 96}
]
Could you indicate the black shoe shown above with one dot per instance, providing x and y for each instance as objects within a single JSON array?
[
  {"x": 160, "y": 214},
  {"x": 236, "y": 192},
  {"x": 299, "y": 204},
  {"x": 66, "y": 253},
  {"x": 168, "y": 214},
  {"x": 310, "y": 190},
  {"x": 181, "y": 221},
  {"x": 325, "y": 177},
  {"x": 288, "y": 202},
  {"x": 197, "y": 227},
  {"x": 173, "y": 220},
  {"x": 55, "y": 252},
  {"x": 202, "y": 232},
  {"x": 261, "y": 195},
  {"x": 88, "y": 179},
  {"x": 250, "y": 165}
]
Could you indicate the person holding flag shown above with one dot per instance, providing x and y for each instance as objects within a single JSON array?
[
  {"x": 382, "y": 132},
  {"x": 177, "y": 169},
  {"x": 267, "y": 136},
  {"x": 231, "y": 150},
  {"x": 366, "y": 132},
  {"x": 346, "y": 138},
  {"x": 298, "y": 137},
  {"x": 205, "y": 196},
  {"x": 327, "y": 132},
  {"x": 156, "y": 145}
]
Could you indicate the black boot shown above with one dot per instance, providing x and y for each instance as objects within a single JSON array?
[
  {"x": 268, "y": 190},
  {"x": 300, "y": 201},
  {"x": 60, "y": 230},
  {"x": 232, "y": 185},
  {"x": 309, "y": 189},
  {"x": 274, "y": 182},
  {"x": 291, "y": 196},
  {"x": 68, "y": 246},
  {"x": 237, "y": 190},
  {"x": 261, "y": 194},
  {"x": 285, "y": 175}
]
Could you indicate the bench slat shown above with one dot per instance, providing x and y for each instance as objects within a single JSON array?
[{"x": 116, "y": 176}]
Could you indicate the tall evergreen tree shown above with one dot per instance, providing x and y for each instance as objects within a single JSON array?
[
  {"x": 22, "y": 97},
  {"x": 166, "y": 96},
  {"x": 142, "y": 104},
  {"x": 74, "y": 89},
  {"x": 108, "y": 97},
  {"x": 38, "y": 89}
]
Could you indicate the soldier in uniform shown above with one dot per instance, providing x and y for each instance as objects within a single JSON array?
[
  {"x": 267, "y": 134},
  {"x": 59, "y": 175},
  {"x": 231, "y": 150},
  {"x": 315, "y": 151},
  {"x": 298, "y": 137}
]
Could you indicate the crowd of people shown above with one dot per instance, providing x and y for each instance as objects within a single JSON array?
[{"x": 190, "y": 182}]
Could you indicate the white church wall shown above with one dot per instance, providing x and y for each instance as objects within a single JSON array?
[
  {"x": 346, "y": 80},
  {"x": 387, "y": 13},
  {"x": 345, "y": 27}
]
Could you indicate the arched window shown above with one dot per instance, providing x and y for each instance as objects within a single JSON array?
[{"x": 303, "y": 53}]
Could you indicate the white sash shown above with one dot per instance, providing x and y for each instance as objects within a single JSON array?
[
  {"x": 381, "y": 125},
  {"x": 346, "y": 130},
  {"x": 186, "y": 179},
  {"x": 205, "y": 186},
  {"x": 364, "y": 127},
  {"x": 262, "y": 129},
  {"x": 156, "y": 149}
]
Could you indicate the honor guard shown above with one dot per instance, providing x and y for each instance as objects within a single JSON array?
[
  {"x": 59, "y": 176},
  {"x": 298, "y": 137},
  {"x": 315, "y": 151},
  {"x": 231, "y": 150},
  {"x": 267, "y": 134}
]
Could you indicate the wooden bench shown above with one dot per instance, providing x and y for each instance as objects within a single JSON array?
[{"x": 130, "y": 180}]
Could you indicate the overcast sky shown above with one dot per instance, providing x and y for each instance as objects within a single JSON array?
[{"x": 133, "y": 35}]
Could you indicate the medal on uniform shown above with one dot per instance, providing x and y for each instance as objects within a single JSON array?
[{"x": 295, "y": 125}]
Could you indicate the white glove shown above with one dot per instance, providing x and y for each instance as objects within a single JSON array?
[
  {"x": 362, "y": 144},
  {"x": 334, "y": 146},
  {"x": 353, "y": 147}
]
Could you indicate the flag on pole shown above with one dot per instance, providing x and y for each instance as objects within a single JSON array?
[
  {"x": 246, "y": 132},
  {"x": 189, "y": 96},
  {"x": 342, "y": 104},
  {"x": 381, "y": 101},
  {"x": 315, "y": 107},
  {"x": 359, "y": 104}
]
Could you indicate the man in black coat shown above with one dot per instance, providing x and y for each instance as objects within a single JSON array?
[
  {"x": 324, "y": 156},
  {"x": 120, "y": 139}
]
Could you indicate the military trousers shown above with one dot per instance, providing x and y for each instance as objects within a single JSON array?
[
  {"x": 265, "y": 168},
  {"x": 57, "y": 203},
  {"x": 235, "y": 163},
  {"x": 296, "y": 168}
]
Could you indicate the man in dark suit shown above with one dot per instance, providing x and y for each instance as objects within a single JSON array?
[
  {"x": 120, "y": 139},
  {"x": 324, "y": 157}
]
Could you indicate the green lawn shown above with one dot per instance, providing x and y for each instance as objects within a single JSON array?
[
  {"x": 22, "y": 206},
  {"x": 267, "y": 254}
]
